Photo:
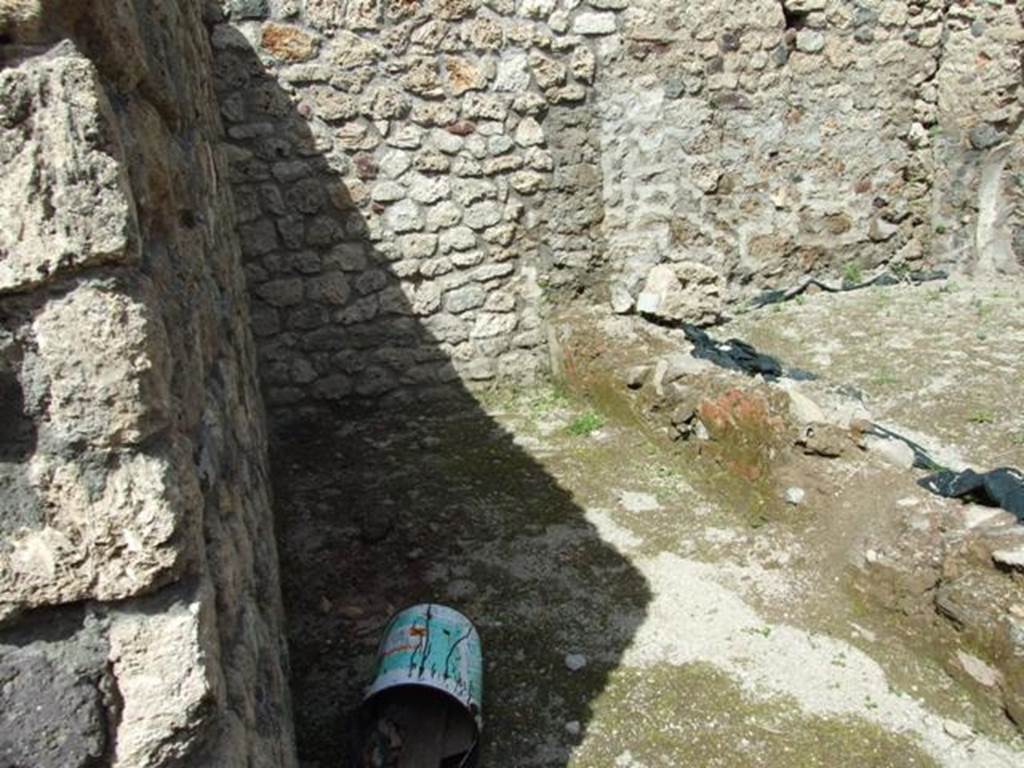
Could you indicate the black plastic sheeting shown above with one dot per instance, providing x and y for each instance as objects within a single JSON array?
[
  {"x": 1002, "y": 487},
  {"x": 885, "y": 278},
  {"x": 738, "y": 355}
]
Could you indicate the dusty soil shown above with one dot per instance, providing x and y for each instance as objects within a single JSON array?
[{"x": 563, "y": 523}]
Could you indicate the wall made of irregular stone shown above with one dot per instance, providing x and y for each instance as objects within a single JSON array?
[
  {"x": 413, "y": 179},
  {"x": 768, "y": 140},
  {"x": 140, "y": 617}
]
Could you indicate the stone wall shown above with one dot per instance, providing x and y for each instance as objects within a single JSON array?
[
  {"x": 414, "y": 179},
  {"x": 140, "y": 617},
  {"x": 420, "y": 181},
  {"x": 768, "y": 139}
]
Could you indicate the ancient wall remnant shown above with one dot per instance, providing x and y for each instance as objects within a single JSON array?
[
  {"x": 140, "y": 617},
  {"x": 451, "y": 165},
  {"x": 771, "y": 139},
  {"x": 412, "y": 177}
]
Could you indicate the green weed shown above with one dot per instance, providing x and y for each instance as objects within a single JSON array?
[
  {"x": 852, "y": 273},
  {"x": 590, "y": 421}
]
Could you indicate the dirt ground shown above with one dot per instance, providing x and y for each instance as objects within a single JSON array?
[{"x": 564, "y": 523}]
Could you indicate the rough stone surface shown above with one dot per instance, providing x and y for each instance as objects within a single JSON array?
[
  {"x": 399, "y": 131},
  {"x": 58, "y": 139},
  {"x": 140, "y": 618},
  {"x": 870, "y": 137},
  {"x": 685, "y": 292}
]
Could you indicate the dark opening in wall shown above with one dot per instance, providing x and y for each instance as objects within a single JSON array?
[{"x": 795, "y": 20}]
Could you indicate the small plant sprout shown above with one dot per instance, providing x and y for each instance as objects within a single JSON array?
[
  {"x": 852, "y": 273},
  {"x": 583, "y": 425},
  {"x": 982, "y": 417}
]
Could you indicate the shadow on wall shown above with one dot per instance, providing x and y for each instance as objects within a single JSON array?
[
  {"x": 431, "y": 502},
  {"x": 18, "y": 438}
]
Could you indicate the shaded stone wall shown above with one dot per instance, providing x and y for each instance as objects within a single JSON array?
[
  {"x": 768, "y": 139},
  {"x": 408, "y": 165},
  {"x": 140, "y": 617}
]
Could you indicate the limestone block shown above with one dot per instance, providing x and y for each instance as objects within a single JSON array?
[
  {"x": 684, "y": 291},
  {"x": 160, "y": 661},
  {"x": 64, "y": 201},
  {"x": 101, "y": 365},
  {"x": 117, "y": 527}
]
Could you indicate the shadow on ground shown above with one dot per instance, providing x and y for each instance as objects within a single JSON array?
[{"x": 406, "y": 501}]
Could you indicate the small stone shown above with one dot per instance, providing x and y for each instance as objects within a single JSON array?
[
  {"x": 621, "y": 300},
  {"x": 463, "y": 75},
  {"x": 567, "y": 94},
  {"x": 1011, "y": 558},
  {"x": 828, "y": 440},
  {"x": 463, "y": 299},
  {"x": 394, "y": 163},
  {"x": 809, "y": 41},
  {"x": 288, "y": 43},
  {"x": 575, "y": 661},
  {"x": 547, "y": 72},
  {"x": 881, "y": 230},
  {"x": 428, "y": 189},
  {"x": 404, "y": 216},
  {"x": 957, "y": 730},
  {"x": 978, "y": 669},
  {"x": 803, "y": 408},
  {"x": 526, "y": 182},
  {"x": 573, "y": 728},
  {"x": 794, "y": 495},
  {"x": 385, "y": 103},
  {"x": 512, "y": 73},
  {"x": 637, "y": 375},
  {"x": 484, "y": 107},
  {"x": 583, "y": 64},
  {"x": 452, "y": 10},
  {"x": 594, "y": 24},
  {"x": 984, "y": 136},
  {"x": 482, "y": 215},
  {"x": 537, "y": 9},
  {"x": 529, "y": 133},
  {"x": 917, "y": 136},
  {"x": 895, "y": 452},
  {"x": 387, "y": 192}
]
